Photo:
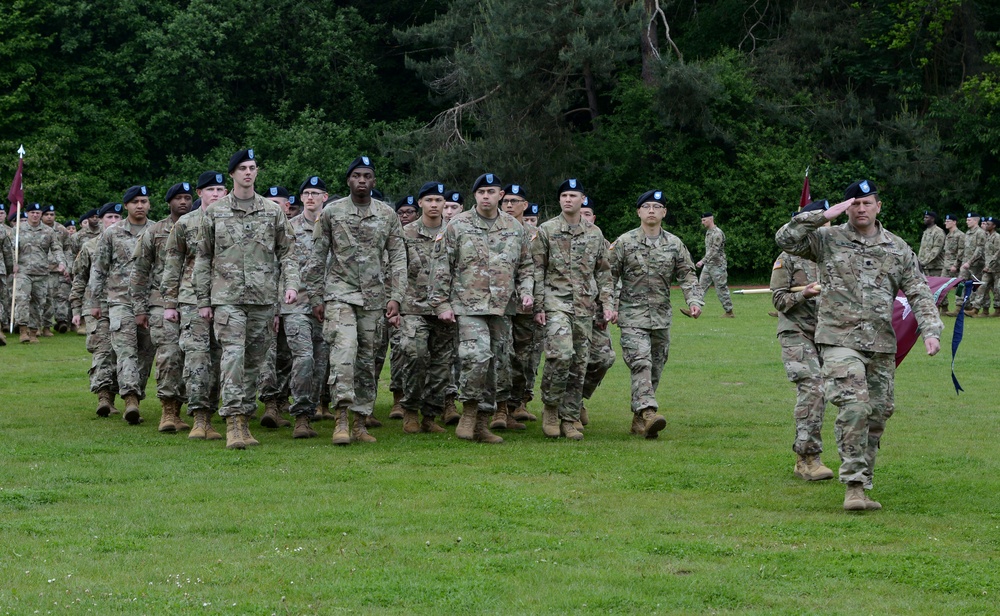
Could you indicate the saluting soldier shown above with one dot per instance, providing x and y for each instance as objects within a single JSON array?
[
  {"x": 40, "y": 249},
  {"x": 714, "y": 263},
  {"x": 644, "y": 261},
  {"x": 862, "y": 266}
]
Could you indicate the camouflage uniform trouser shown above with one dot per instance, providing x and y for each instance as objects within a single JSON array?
[
  {"x": 524, "y": 341},
  {"x": 57, "y": 306},
  {"x": 244, "y": 332},
  {"x": 298, "y": 365},
  {"x": 860, "y": 385},
  {"x": 645, "y": 353},
  {"x": 991, "y": 285},
  {"x": 456, "y": 366},
  {"x": 567, "y": 349},
  {"x": 103, "y": 372},
  {"x": 804, "y": 368},
  {"x": 353, "y": 334},
  {"x": 165, "y": 336},
  {"x": 502, "y": 365},
  {"x": 480, "y": 343},
  {"x": 134, "y": 348},
  {"x": 202, "y": 356},
  {"x": 5, "y": 301},
  {"x": 30, "y": 297},
  {"x": 534, "y": 360},
  {"x": 389, "y": 345},
  {"x": 426, "y": 348},
  {"x": 602, "y": 357},
  {"x": 717, "y": 275}
]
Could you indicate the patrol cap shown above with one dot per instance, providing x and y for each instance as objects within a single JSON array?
[
  {"x": 361, "y": 162},
  {"x": 196, "y": 204},
  {"x": 861, "y": 188},
  {"x": 815, "y": 206},
  {"x": 312, "y": 182},
  {"x": 950, "y": 217},
  {"x": 587, "y": 204},
  {"x": 707, "y": 215},
  {"x": 278, "y": 191},
  {"x": 487, "y": 179},
  {"x": 515, "y": 189},
  {"x": 571, "y": 184},
  {"x": 532, "y": 210},
  {"x": 968, "y": 215},
  {"x": 210, "y": 178},
  {"x": 431, "y": 188},
  {"x": 407, "y": 201},
  {"x": 88, "y": 214},
  {"x": 134, "y": 192},
  {"x": 455, "y": 197},
  {"x": 376, "y": 194},
  {"x": 239, "y": 157},
  {"x": 48, "y": 208},
  {"x": 110, "y": 208},
  {"x": 651, "y": 196},
  {"x": 181, "y": 188},
  {"x": 33, "y": 207},
  {"x": 931, "y": 214}
]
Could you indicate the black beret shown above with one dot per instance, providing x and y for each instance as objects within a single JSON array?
[
  {"x": 972, "y": 215},
  {"x": 239, "y": 157},
  {"x": 408, "y": 200},
  {"x": 431, "y": 188},
  {"x": 950, "y": 217},
  {"x": 134, "y": 192},
  {"x": 278, "y": 191},
  {"x": 312, "y": 182},
  {"x": 931, "y": 214},
  {"x": 816, "y": 206},
  {"x": 181, "y": 188},
  {"x": 71, "y": 223},
  {"x": 487, "y": 179},
  {"x": 861, "y": 188},
  {"x": 587, "y": 204},
  {"x": 360, "y": 162},
  {"x": 455, "y": 197},
  {"x": 196, "y": 204},
  {"x": 532, "y": 210},
  {"x": 110, "y": 208},
  {"x": 654, "y": 196},
  {"x": 516, "y": 189},
  {"x": 210, "y": 178},
  {"x": 571, "y": 184},
  {"x": 377, "y": 194},
  {"x": 988, "y": 219},
  {"x": 3, "y": 208},
  {"x": 33, "y": 207},
  {"x": 293, "y": 200},
  {"x": 88, "y": 214},
  {"x": 707, "y": 215},
  {"x": 48, "y": 208}
]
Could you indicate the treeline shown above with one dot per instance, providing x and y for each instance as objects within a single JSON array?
[{"x": 720, "y": 103}]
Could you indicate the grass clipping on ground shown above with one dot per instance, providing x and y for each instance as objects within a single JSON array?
[{"x": 100, "y": 517}]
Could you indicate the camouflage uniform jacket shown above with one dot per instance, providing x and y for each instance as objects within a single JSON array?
[
  {"x": 572, "y": 270},
  {"x": 6, "y": 250},
  {"x": 63, "y": 237},
  {"x": 860, "y": 277},
  {"x": 112, "y": 265},
  {"x": 641, "y": 270},
  {"x": 78, "y": 239},
  {"x": 303, "y": 229},
  {"x": 147, "y": 270},
  {"x": 796, "y": 313},
  {"x": 177, "y": 281},
  {"x": 954, "y": 249},
  {"x": 975, "y": 246},
  {"x": 39, "y": 248},
  {"x": 244, "y": 249},
  {"x": 350, "y": 243},
  {"x": 80, "y": 292},
  {"x": 931, "y": 256},
  {"x": 419, "y": 240},
  {"x": 715, "y": 247},
  {"x": 992, "y": 252},
  {"x": 479, "y": 264}
]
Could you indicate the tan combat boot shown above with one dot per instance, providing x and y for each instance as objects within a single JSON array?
[
  {"x": 323, "y": 412},
  {"x": 854, "y": 498},
  {"x": 271, "y": 418},
  {"x": 248, "y": 438},
  {"x": 167, "y": 416},
  {"x": 450, "y": 415},
  {"x": 568, "y": 429},
  {"x": 359, "y": 434},
  {"x": 372, "y": 422},
  {"x": 801, "y": 467},
  {"x": 25, "y": 335},
  {"x": 33, "y": 336},
  {"x": 397, "y": 409},
  {"x": 985, "y": 312},
  {"x": 481, "y": 430},
  {"x": 132, "y": 415},
  {"x": 550, "y": 421},
  {"x": 654, "y": 423},
  {"x": 303, "y": 429},
  {"x": 411, "y": 422},
  {"x": 871, "y": 505},
  {"x": 200, "y": 423},
  {"x": 105, "y": 403},
  {"x": 817, "y": 470},
  {"x": 638, "y": 425},
  {"x": 971, "y": 312},
  {"x": 427, "y": 425},
  {"x": 234, "y": 435},
  {"x": 46, "y": 333},
  {"x": 341, "y": 432},
  {"x": 584, "y": 416},
  {"x": 500, "y": 418},
  {"x": 211, "y": 434},
  {"x": 521, "y": 413},
  {"x": 466, "y": 429},
  {"x": 513, "y": 424},
  {"x": 729, "y": 315},
  {"x": 179, "y": 423}
]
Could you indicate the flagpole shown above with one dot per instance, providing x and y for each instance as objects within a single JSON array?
[{"x": 17, "y": 246}]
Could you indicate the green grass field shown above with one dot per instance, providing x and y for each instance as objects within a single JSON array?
[{"x": 98, "y": 517}]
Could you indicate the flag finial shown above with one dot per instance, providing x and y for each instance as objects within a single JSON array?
[{"x": 20, "y": 151}]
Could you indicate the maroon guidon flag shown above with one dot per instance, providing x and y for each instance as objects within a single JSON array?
[
  {"x": 806, "y": 198},
  {"x": 16, "y": 193},
  {"x": 903, "y": 321}
]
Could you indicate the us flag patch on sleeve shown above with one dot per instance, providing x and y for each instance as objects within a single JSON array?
[{"x": 777, "y": 265}]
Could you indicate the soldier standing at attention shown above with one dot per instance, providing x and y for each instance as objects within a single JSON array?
[
  {"x": 796, "y": 333},
  {"x": 453, "y": 206},
  {"x": 103, "y": 366},
  {"x": 644, "y": 261},
  {"x": 407, "y": 211},
  {"x": 57, "y": 306},
  {"x": 991, "y": 268},
  {"x": 954, "y": 247},
  {"x": 713, "y": 264},
  {"x": 861, "y": 266},
  {"x": 531, "y": 214},
  {"x": 480, "y": 261},
  {"x": 202, "y": 353},
  {"x": 245, "y": 248},
  {"x": 147, "y": 303},
  {"x": 40, "y": 249},
  {"x": 572, "y": 278},
  {"x": 602, "y": 353},
  {"x": 931, "y": 255},
  {"x": 974, "y": 257},
  {"x": 109, "y": 282},
  {"x": 535, "y": 356},
  {"x": 6, "y": 267},
  {"x": 352, "y": 237}
]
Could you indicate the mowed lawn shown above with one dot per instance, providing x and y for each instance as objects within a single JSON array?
[{"x": 101, "y": 518}]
